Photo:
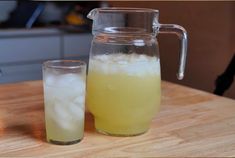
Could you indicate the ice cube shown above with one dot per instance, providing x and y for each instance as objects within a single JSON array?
[
  {"x": 79, "y": 88},
  {"x": 65, "y": 124},
  {"x": 65, "y": 79},
  {"x": 64, "y": 93},
  {"x": 61, "y": 112},
  {"x": 76, "y": 112},
  {"x": 79, "y": 101},
  {"x": 122, "y": 62},
  {"x": 103, "y": 57},
  {"x": 71, "y": 80},
  {"x": 71, "y": 93},
  {"x": 50, "y": 93},
  {"x": 67, "y": 116},
  {"x": 50, "y": 79}
]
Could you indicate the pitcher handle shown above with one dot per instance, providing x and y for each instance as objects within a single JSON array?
[{"x": 182, "y": 34}]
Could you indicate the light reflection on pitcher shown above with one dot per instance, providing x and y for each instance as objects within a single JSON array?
[{"x": 123, "y": 88}]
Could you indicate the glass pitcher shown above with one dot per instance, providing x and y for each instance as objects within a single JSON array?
[{"x": 123, "y": 86}]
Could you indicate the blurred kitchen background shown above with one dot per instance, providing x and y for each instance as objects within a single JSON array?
[{"x": 34, "y": 31}]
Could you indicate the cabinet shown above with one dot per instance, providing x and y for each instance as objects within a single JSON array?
[
  {"x": 20, "y": 72},
  {"x": 22, "y": 53},
  {"x": 29, "y": 49},
  {"x": 76, "y": 45}
]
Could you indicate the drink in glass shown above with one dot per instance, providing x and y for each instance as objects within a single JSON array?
[{"x": 64, "y": 99}]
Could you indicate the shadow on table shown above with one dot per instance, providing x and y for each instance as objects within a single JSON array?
[
  {"x": 26, "y": 123},
  {"x": 31, "y": 123},
  {"x": 35, "y": 132},
  {"x": 89, "y": 123}
]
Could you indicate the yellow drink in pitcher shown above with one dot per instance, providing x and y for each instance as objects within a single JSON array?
[{"x": 123, "y": 92}]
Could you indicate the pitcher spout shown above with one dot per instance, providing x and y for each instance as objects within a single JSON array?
[{"x": 92, "y": 14}]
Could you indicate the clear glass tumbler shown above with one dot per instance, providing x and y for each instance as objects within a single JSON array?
[{"x": 64, "y": 83}]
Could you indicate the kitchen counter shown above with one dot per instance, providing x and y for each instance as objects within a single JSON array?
[{"x": 191, "y": 123}]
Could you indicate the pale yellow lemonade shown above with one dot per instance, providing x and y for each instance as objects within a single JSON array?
[
  {"x": 64, "y": 107},
  {"x": 123, "y": 92}
]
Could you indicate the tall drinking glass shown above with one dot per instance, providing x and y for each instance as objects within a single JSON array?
[{"x": 64, "y": 83}]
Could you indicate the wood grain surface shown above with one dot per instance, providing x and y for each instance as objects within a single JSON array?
[{"x": 191, "y": 123}]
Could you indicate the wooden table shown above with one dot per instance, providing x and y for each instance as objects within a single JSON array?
[{"x": 191, "y": 123}]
